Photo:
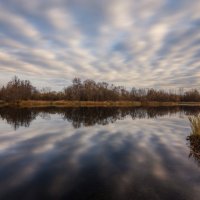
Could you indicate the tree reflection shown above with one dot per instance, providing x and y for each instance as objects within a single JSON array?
[
  {"x": 18, "y": 117},
  {"x": 89, "y": 116},
  {"x": 194, "y": 138}
]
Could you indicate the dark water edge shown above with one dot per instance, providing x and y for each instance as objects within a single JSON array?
[{"x": 97, "y": 153}]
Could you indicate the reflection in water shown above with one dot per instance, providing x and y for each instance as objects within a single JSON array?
[
  {"x": 194, "y": 138},
  {"x": 144, "y": 158},
  {"x": 18, "y": 117},
  {"x": 88, "y": 116}
]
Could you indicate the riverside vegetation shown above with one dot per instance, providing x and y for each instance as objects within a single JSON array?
[
  {"x": 194, "y": 138},
  {"x": 91, "y": 93}
]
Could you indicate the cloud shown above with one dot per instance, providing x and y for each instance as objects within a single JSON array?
[{"x": 140, "y": 44}]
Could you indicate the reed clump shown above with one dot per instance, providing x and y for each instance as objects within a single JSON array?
[
  {"x": 195, "y": 125},
  {"x": 194, "y": 138}
]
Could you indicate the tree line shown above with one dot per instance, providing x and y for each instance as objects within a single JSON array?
[{"x": 89, "y": 90}]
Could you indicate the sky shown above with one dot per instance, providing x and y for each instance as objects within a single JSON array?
[{"x": 150, "y": 44}]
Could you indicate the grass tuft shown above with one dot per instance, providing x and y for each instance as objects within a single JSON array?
[
  {"x": 194, "y": 138},
  {"x": 195, "y": 124}
]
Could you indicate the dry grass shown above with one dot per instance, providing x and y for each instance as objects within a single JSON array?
[
  {"x": 96, "y": 103},
  {"x": 156, "y": 103},
  {"x": 37, "y": 103},
  {"x": 195, "y": 124},
  {"x": 77, "y": 103},
  {"x": 194, "y": 138}
]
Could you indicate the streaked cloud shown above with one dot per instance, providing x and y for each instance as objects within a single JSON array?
[{"x": 152, "y": 43}]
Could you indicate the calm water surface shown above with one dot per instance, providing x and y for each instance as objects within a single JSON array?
[{"x": 97, "y": 153}]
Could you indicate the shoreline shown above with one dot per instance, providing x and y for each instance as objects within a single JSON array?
[{"x": 37, "y": 103}]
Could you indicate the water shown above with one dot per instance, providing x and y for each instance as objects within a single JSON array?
[{"x": 97, "y": 153}]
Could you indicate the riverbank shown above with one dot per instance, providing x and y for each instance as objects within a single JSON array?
[{"x": 31, "y": 103}]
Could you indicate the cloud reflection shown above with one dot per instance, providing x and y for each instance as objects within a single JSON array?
[{"x": 145, "y": 158}]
